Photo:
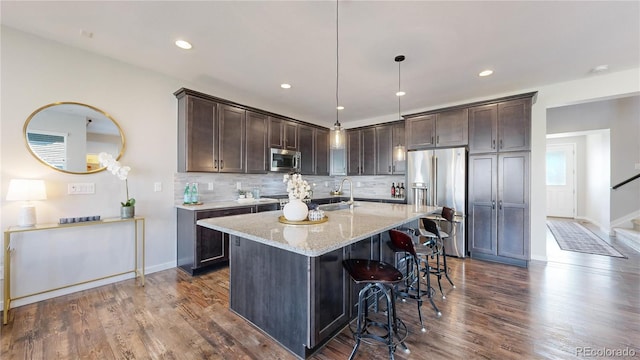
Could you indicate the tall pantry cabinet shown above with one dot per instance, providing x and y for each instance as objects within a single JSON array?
[{"x": 499, "y": 178}]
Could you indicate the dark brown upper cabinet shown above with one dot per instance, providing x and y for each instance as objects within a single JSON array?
[
  {"x": 306, "y": 139},
  {"x": 361, "y": 151},
  {"x": 500, "y": 127},
  {"x": 388, "y": 136},
  {"x": 210, "y": 136},
  {"x": 256, "y": 142},
  {"x": 283, "y": 134},
  {"x": 441, "y": 129},
  {"x": 197, "y": 130},
  {"x": 322, "y": 151}
]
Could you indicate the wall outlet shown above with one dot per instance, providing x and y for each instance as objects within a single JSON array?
[
  {"x": 238, "y": 185},
  {"x": 81, "y": 188},
  {"x": 210, "y": 186},
  {"x": 157, "y": 186}
]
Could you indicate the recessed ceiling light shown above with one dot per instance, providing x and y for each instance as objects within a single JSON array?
[
  {"x": 401, "y": 93},
  {"x": 486, "y": 73},
  {"x": 285, "y": 86},
  {"x": 183, "y": 44},
  {"x": 340, "y": 107},
  {"x": 600, "y": 68}
]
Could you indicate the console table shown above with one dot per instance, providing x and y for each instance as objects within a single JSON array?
[{"x": 137, "y": 221}]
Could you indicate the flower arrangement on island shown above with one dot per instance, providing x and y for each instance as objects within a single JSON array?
[
  {"x": 296, "y": 187},
  {"x": 120, "y": 171}
]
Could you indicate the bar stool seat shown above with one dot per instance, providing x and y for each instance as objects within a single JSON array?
[{"x": 379, "y": 279}]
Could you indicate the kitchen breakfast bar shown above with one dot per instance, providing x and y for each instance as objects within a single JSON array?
[{"x": 288, "y": 280}]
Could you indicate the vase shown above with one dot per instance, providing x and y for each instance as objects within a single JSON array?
[
  {"x": 127, "y": 212},
  {"x": 295, "y": 210}
]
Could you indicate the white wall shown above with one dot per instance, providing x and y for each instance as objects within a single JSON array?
[
  {"x": 36, "y": 72},
  {"x": 594, "y": 87},
  {"x": 597, "y": 205}
]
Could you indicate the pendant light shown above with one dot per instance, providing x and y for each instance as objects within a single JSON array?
[
  {"x": 337, "y": 133},
  {"x": 399, "y": 150}
]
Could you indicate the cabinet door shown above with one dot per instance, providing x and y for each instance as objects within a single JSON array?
[
  {"x": 483, "y": 128},
  {"x": 212, "y": 246},
  {"x": 384, "y": 146},
  {"x": 290, "y": 135},
  {"x": 338, "y": 162},
  {"x": 256, "y": 143},
  {"x": 231, "y": 126},
  {"x": 514, "y": 125},
  {"x": 353, "y": 152},
  {"x": 452, "y": 128},
  {"x": 420, "y": 132},
  {"x": 307, "y": 156},
  {"x": 513, "y": 205},
  {"x": 368, "y": 151},
  {"x": 330, "y": 301},
  {"x": 482, "y": 204},
  {"x": 276, "y": 132},
  {"x": 399, "y": 166},
  {"x": 200, "y": 135},
  {"x": 321, "y": 151}
]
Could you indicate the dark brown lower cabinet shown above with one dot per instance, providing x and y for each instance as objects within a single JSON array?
[
  {"x": 201, "y": 248},
  {"x": 300, "y": 301}
]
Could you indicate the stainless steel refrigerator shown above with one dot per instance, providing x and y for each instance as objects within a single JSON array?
[{"x": 438, "y": 178}]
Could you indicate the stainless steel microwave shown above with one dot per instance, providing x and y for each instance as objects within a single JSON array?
[{"x": 284, "y": 160}]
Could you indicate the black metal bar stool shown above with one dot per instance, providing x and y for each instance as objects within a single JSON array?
[
  {"x": 436, "y": 244},
  {"x": 411, "y": 264},
  {"x": 380, "y": 279}
]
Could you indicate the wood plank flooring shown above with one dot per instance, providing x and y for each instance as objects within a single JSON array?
[{"x": 549, "y": 311}]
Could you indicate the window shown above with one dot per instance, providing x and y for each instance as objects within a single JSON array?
[
  {"x": 556, "y": 168},
  {"x": 50, "y": 148}
]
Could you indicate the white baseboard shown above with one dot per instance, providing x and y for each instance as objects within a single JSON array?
[{"x": 539, "y": 258}]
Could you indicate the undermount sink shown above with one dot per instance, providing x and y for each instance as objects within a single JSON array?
[{"x": 337, "y": 206}]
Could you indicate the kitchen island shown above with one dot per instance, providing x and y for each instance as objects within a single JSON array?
[{"x": 288, "y": 280}]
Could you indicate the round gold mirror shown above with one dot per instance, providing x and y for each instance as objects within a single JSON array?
[{"x": 68, "y": 136}]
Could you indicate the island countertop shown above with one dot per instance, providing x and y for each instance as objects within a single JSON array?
[{"x": 343, "y": 227}]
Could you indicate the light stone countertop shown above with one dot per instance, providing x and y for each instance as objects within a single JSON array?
[
  {"x": 228, "y": 204},
  {"x": 252, "y": 202},
  {"x": 343, "y": 228}
]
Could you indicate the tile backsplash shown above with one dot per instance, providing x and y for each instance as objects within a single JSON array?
[{"x": 224, "y": 186}]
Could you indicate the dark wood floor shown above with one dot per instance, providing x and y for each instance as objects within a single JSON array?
[{"x": 549, "y": 311}]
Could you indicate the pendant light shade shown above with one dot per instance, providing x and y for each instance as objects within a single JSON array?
[
  {"x": 337, "y": 140},
  {"x": 399, "y": 151}
]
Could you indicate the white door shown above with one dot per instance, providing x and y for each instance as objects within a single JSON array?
[{"x": 561, "y": 200}]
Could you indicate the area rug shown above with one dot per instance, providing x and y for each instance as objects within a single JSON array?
[{"x": 572, "y": 236}]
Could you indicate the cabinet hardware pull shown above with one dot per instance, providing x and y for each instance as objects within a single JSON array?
[
  {"x": 215, "y": 164},
  {"x": 501, "y": 146},
  {"x": 493, "y": 204},
  {"x": 438, "y": 139},
  {"x": 500, "y": 204},
  {"x": 393, "y": 168},
  {"x": 389, "y": 168},
  {"x": 221, "y": 164},
  {"x": 493, "y": 143},
  {"x": 432, "y": 139}
]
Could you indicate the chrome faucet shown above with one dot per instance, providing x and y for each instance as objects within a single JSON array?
[{"x": 350, "y": 202}]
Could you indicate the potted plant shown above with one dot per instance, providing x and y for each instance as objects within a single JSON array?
[{"x": 128, "y": 209}]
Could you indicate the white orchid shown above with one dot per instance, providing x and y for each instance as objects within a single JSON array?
[
  {"x": 118, "y": 170},
  {"x": 296, "y": 187}
]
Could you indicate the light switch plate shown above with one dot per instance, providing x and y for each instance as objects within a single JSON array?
[{"x": 157, "y": 186}]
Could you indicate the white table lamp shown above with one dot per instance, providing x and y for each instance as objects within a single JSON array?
[{"x": 27, "y": 191}]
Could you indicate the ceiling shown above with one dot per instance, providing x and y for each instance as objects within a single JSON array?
[{"x": 244, "y": 50}]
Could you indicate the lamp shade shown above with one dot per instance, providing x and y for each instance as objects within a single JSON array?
[{"x": 26, "y": 190}]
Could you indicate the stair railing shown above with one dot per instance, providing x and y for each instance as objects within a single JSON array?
[{"x": 626, "y": 181}]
